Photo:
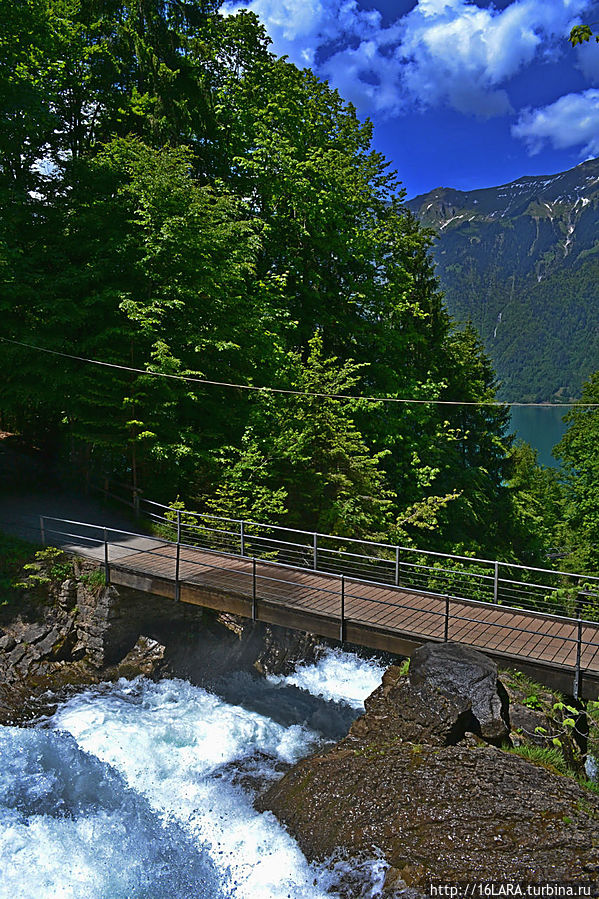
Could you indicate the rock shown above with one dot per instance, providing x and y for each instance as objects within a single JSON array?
[
  {"x": 67, "y": 595},
  {"x": 33, "y": 633},
  {"x": 441, "y": 804},
  {"x": 17, "y": 654},
  {"x": 46, "y": 645},
  {"x": 145, "y": 658},
  {"x": 463, "y": 673},
  {"x": 440, "y": 813},
  {"x": 7, "y": 642},
  {"x": 398, "y": 711}
]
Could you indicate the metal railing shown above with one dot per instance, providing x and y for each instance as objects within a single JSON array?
[
  {"x": 501, "y": 583},
  {"x": 253, "y": 567},
  {"x": 118, "y": 491}
]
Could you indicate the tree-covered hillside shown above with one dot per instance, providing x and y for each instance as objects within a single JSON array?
[
  {"x": 521, "y": 261},
  {"x": 179, "y": 202}
]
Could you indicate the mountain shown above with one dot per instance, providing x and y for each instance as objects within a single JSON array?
[{"x": 521, "y": 261}]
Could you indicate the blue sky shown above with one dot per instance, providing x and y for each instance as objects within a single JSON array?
[{"x": 462, "y": 94}]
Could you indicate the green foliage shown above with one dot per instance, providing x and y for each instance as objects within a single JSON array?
[
  {"x": 333, "y": 483},
  {"x": 550, "y": 758},
  {"x": 189, "y": 206},
  {"x": 580, "y": 34},
  {"x": 51, "y": 566},
  {"x": 578, "y": 453},
  {"x": 93, "y": 579},
  {"x": 404, "y": 668}
]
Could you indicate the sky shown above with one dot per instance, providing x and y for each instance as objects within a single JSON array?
[{"x": 461, "y": 93}]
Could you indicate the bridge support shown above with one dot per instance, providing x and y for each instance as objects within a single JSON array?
[
  {"x": 446, "y": 628},
  {"x": 577, "y": 671},
  {"x": 178, "y": 558},
  {"x": 254, "y": 589},
  {"x": 106, "y": 562},
  {"x": 342, "y": 622}
]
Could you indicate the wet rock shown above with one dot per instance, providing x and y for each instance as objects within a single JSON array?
[
  {"x": 459, "y": 673},
  {"x": 146, "y": 657},
  {"x": 440, "y": 813},
  {"x": 398, "y": 711},
  {"x": 440, "y": 803}
]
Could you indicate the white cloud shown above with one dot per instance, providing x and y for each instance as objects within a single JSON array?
[
  {"x": 571, "y": 121},
  {"x": 443, "y": 52}
]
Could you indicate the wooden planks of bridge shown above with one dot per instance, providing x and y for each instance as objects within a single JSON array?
[{"x": 381, "y": 617}]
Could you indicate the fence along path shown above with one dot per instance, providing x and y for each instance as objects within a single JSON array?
[{"x": 373, "y": 594}]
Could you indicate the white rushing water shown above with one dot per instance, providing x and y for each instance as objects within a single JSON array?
[
  {"x": 144, "y": 789},
  {"x": 338, "y": 676}
]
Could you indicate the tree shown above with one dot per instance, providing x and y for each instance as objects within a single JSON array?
[
  {"x": 311, "y": 446},
  {"x": 578, "y": 453},
  {"x": 190, "y": 206},
  {"x": 581, "y": 34}
]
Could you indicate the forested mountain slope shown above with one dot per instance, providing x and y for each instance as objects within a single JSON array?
[{"x": 521, "y": 261}]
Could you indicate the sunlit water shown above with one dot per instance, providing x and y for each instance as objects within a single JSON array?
[{"x": 145, "y": 789}]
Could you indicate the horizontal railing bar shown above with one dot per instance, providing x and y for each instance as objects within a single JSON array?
[
  {"x": 99, "y": 540},
  {"x": 529, "y": 612},
  {"x": 355, "y": 540}
]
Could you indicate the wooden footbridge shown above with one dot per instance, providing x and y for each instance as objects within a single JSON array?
[{"x": 372, "y": 594}]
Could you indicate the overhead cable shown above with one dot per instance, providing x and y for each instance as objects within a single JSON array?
[{"x": 304, "y": 393}]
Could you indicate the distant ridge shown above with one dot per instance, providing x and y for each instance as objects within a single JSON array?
[{"x": 521, "y": 261}]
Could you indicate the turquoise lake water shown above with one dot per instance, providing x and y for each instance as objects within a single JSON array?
[{"x": 542, "y": 427}]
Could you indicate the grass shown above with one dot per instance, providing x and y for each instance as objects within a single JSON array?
[{"x": 544, "y": 756}]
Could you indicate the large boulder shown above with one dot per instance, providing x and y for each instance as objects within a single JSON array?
[
  {"x": 440, "y": 804},
  {"x": 399, "y": 711},
  {"x": 465, "y": 676}
]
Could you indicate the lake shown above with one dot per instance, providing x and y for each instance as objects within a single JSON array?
[{"x": 542, "y": 427}]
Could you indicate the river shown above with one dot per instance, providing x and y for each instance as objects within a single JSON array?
[
  {"x": 143, "y": 790},
  {"x": 542, "y": 427}
]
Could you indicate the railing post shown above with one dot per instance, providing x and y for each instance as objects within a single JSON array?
[
  {"x": 315, "y": 552},
  {"x": 242, "y": 535},
  {"x": 446, "y": 630},
  {"x": 254, "y": 589},
  {"x": 342, "y": 622},
  {"x": 577, "y": 672},
  {"x": 136, "y": 508},
  {"x": 397, "y": 566},
  {"x": 178, "y": 558},
  {"x": 496, "y": 583},
  {"x": 106, "y": 561},
  {"x": 42, "y": 530}
]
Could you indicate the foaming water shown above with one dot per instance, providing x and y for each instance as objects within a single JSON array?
[
  {"x": 338, "y": 676},
  {"x": 70, "y": 827},
  {"x": 142, "y": 789},
  {"x": 184, "y": 750}
]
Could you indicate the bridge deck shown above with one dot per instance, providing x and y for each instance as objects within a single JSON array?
[{"x": 369, "y": 609}]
